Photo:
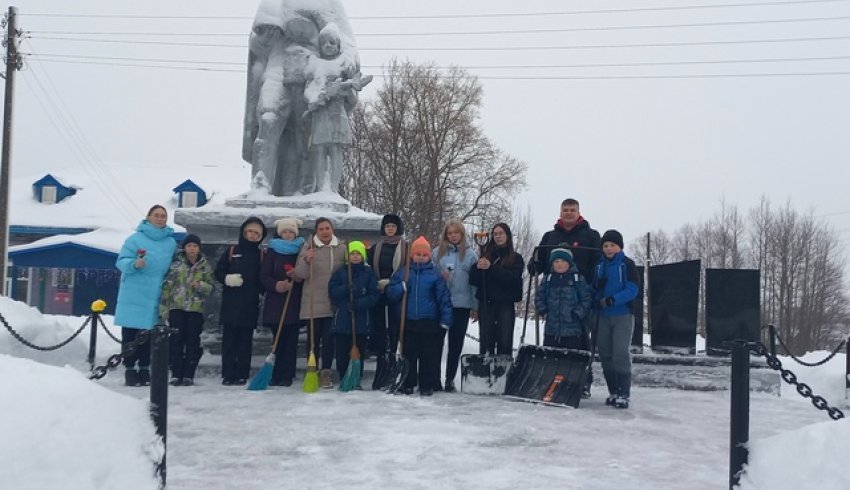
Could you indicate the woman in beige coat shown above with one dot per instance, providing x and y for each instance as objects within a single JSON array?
[{"x": 323, "y": 254}]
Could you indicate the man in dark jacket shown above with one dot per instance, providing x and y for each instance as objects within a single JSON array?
[{"x": 574, "y": 233}]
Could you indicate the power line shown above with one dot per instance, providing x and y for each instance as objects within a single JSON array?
[
  {"x": 455, "y": 16},
  {"x": 595, "y": 77},
  {"x": 481, "y": 48},
  {"x": 477, "y": 67},
  {"x": 479, "y": 33}
]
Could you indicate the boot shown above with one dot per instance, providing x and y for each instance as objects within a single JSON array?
[
  {"x": 131, "y": 377},
  {"x": 144, "y": 377},
  {"x": 450, "y": 387},
  {"x": 188, "y": 381},
  {"x": 326, "y": 379},
  {"x": 176, "y": 381},
  {"x": 621, "y": 402}
]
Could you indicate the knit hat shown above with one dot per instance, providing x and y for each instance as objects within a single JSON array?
[
  {"x": 287, "y": 223},
  {"x": 563, "y": 254},
  {"x": 357, "y": 246},
  {"x": 394, "y": 219},
  {"x": 420, "y": 245},
  {"x": 613, "y": 236},
  {"x": 190, "y": 238}
]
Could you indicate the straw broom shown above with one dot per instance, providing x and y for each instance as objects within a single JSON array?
[
  {"x": 351, "y": 380},
  {"x": 311, "y": 379},
  {"x": 264, "y": 375}
]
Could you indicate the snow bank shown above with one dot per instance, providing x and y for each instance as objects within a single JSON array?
[
  {"x": 809, "y": 457},
  {"x": 62, "y": 431},
  {"x": 42, "y": 331}
]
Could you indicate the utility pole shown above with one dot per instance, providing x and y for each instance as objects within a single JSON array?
[
  {"x": 13, "y": 64},
  {"x": 646, "y": 284}
]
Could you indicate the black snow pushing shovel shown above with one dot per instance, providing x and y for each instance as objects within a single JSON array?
[
  {"x": 547, "y": 375},
  {"x": 484, "y": 374}
]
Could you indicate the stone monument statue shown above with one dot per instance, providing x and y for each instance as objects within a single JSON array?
[{"x": 303, "y": 79}]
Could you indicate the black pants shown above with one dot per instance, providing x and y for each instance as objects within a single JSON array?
[
  {"x": 384, "y": 323},
  {"x": 422, "y": 350},
  {"x": 142, "y": 354},
  {"x": 323, "y": 343},
  {"x": 185, "y": 350},
  {"x": 286, "y": 352},
  {"x": 343, "y": 352},
  {"x": 457, "y": 336},
  {"x": 497, "y": 328},
  {"x": 236, "y": 345}
]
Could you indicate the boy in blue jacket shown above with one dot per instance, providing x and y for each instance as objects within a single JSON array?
[
  {"x": 564, "y": 299},
  {"x": 429, "y": 308},
  {"x": 363, "y": 287},
  {"x": 616, "y": 283}
]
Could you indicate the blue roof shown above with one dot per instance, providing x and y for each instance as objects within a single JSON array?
[
  {"x": 50, "y": 180},
  {"x": 64, "y": 256},
  {"x": 188, "y": 185}
]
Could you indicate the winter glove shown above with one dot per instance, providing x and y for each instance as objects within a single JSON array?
[
  {"x": 233, "y": 280},
  {"x": 605, "y": 302},
  {"x": 445, "y": 327}
]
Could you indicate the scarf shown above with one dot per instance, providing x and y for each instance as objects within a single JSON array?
[{"x": 286, "y": 247}]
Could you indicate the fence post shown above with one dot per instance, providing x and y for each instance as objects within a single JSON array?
[
  {"x": 159, "y": 390},
  {"x": 739, "y": 417},
  {"x": 847, "y": 372},
  {"x": 95, "y": 317},
  {"x": 97, "y": 307},
  {"x": 772, "y": 331}
]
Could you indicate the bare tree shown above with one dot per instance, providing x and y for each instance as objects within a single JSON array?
[{"x": 420, "y": 152}]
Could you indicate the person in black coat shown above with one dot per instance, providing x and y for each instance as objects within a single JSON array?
[
  {"x": 498, "y": 277},
  {"x": 239, "y": 270},
  {"x": 279, "y": 281},
  {"x": 386, "y": 256},
  {"x": 574, "y": 233}
]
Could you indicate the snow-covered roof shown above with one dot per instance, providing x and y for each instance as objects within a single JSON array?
[
  {"x": 117, "y": 196},
  {"x": 106, "y": 239}
]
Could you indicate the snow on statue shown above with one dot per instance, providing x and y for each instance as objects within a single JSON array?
[{"x": 303, "y": 75}]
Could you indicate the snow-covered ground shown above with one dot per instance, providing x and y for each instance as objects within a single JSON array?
[{"x": 60, "y": 430}]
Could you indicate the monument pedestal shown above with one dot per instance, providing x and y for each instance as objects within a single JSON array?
[{"x": 220, "y": 224}]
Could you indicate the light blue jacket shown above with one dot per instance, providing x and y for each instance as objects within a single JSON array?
[
  {"x": 462, "y": 293},
  {"x": 140, "y": 289}
]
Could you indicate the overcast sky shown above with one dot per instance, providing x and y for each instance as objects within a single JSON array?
[{"x": 644, "y": 146}]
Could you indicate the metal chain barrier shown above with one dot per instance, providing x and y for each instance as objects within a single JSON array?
[
  {"x": 810, "y": 364},
  {"x": 116, "y": 339},
  {"x": 802, "y": 388},
  {"x": 38, "y": 347},
  {"x": 115, "y": 359}
]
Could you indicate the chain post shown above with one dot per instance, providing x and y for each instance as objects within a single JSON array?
[
  {"x": 847, "y": 373},
  {"x": 97, "y": 308},
  {"x": 739, "y": 416},
  {"x": 159, "y": 389},
  {"x": 772, "y": 330}
]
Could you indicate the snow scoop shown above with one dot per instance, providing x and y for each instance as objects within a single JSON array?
[
  {"x": 548, "y": 375},
  {"x": 351, "y": 379},
  {"x": 398, "y": 376},
  {"x": 386, "y": 364},
  {"x": 311, "y": 379},
  {"x": 264, "y": 375},
  {"x": 484, "y": 374}
]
